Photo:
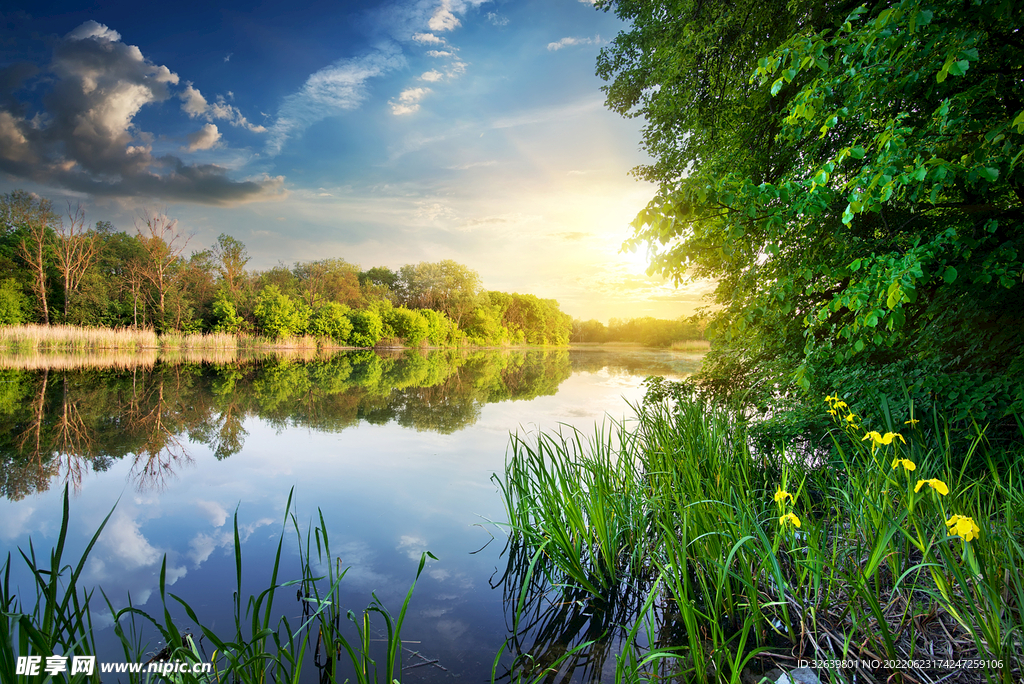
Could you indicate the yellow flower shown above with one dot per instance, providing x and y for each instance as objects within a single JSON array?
[
  {"x": 781, "y": 494},
  {"x": 831, "y": 399},
  {"x": 907, "y": 463},
  {"x": 833, "y": 412},
  {"x": 934, "y": 483},
  {"x": 963, "y": 527},
  {"x": 886, "y": 439},
  {"x": 912, "y": 422},
  {"x": 840, "y": 404},
  {"x": 791, "y": 518}
]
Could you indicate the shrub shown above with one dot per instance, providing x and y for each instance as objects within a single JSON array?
[{"x": 330, "y": 320}]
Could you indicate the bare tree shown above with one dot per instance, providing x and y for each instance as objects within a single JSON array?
[
  {"x": 75, "y": 250},
  {"x": 163, "y": 241}
]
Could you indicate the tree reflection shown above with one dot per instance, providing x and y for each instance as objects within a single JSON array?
[{"x": 58, "y": 424}]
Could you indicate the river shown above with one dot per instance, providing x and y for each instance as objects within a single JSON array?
[{"x": 397, "y": 452}]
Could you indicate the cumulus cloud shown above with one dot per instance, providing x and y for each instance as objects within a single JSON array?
[
  {"x": 439, "y": 53},
  {"x": 408, "y": 101},
  {"x": 432, "y": 76},
  {"x": 443, "y": 19},
  {"x": 87, "y": 140},
  {"x": 497, "y": 19},
  {"x": 195, "y": 105},
  {"x": 330, "y": 91},
  {"x": 427, "y": 38},
  {"x": 203, "y": 139}
]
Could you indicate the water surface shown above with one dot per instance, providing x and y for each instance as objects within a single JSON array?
[{"x": 397, "y": 451}]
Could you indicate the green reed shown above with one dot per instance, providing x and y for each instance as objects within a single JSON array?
[
  {"x": 264, "y": 646},
  {"x": 895, "y": 549}
]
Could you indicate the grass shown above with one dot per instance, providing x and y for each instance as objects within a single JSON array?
[
  {"x": 761, "y": 561},
  {"x": 261, "y": 647},
  {"x": 698, "y": 346}
]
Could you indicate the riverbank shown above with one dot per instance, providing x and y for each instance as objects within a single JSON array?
[{"x": 884, "y": 549}]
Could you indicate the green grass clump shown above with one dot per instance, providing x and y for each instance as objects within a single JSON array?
[{"x": 888, "y": 553}]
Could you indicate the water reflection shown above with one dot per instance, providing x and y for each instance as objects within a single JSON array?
[{"x": 58, "y": 423}]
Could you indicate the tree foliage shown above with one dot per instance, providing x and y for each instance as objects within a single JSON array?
[{"x": 856, "y": 191}]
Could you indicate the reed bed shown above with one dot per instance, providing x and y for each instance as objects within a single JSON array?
[
  {"x": 697, "y": 346},
  {"x": 896, "y": 556},
  {"x": 199, "y": 341},
  {"x": 25, "y": 338}
]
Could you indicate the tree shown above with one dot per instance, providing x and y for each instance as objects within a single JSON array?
[
  {"x": 231, "y": 257},
  {"x": 30, "y": 221},
  {"x": 445, "y": 286},
  {"x": 75, "y": 250},
  {"x": 330, "y": 320},
  {"x": 333, "y": 280},
  {"x": 163, "y": 241},
  {"x": 876, "y": 232},
  {"x": 278, "y": 316}
]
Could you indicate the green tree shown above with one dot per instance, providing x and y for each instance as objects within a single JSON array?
[
  {"x": 367, "y": 328},
  {"x": 445, "y": 286},
  {"x": 278, "y": 316},
  {"x": 225, "y": 317},
  {"x": 13, "y": 303},
  {"x": 230, "y": 257},
  {"x": 872, "y": 234},
  {"x": 330, "y": 320}
]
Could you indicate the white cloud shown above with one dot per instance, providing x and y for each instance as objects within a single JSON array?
[
  {"x": 215, "y": 513},
  {"x": 330, "y": 91},
  {"x": 574, "y": 40},
  {"x": 408, "y": 101},
  {"x": 427, "y": 38},
  {"x": 497, "y": 19},
  {"x": 432, "y": 76},
  {"x": 439, "y": 53},
  {"x": 195, "y": 105},
  {"x": 203, "y": 139},
  {"x": 443, "y": 19},
  {"x": 124, "y": 540},
  {"x": 192, "y": 101}
]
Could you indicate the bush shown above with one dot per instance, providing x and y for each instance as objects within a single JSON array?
[
  {"x": 278, "y": 316},
  {"x": 367, "y": 328},
  {"x": 330, "y": 320},
  {"x": 13, "y": 304}
]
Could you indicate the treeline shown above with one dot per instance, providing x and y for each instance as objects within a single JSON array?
[
  {"x": 648, "y": 331},
  {"x": 56, "y": 269}
]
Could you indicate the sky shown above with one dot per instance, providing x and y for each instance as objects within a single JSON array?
[{"x": 383, "y": 133}]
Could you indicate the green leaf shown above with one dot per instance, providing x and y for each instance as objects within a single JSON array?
[
  {"x": 989, "y": 173},
  {"x": 777, "y": 86},
  {"x": 950, "y": 274},
  {"x": 857, "y": 152},
  {"x": 959, "y": 67},
  {"x": 859, "y": 345}
]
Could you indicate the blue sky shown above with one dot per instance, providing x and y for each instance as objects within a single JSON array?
[{"x": 383, "y": 133}]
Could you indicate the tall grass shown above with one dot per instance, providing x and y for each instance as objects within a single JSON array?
[
  {"x": 763, "y": 561},
  {"x": 27, "y": 338},
  {"x": 263, "y": 646}
]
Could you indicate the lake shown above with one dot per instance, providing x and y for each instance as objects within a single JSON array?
[{"x": 396, "y": 450}]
